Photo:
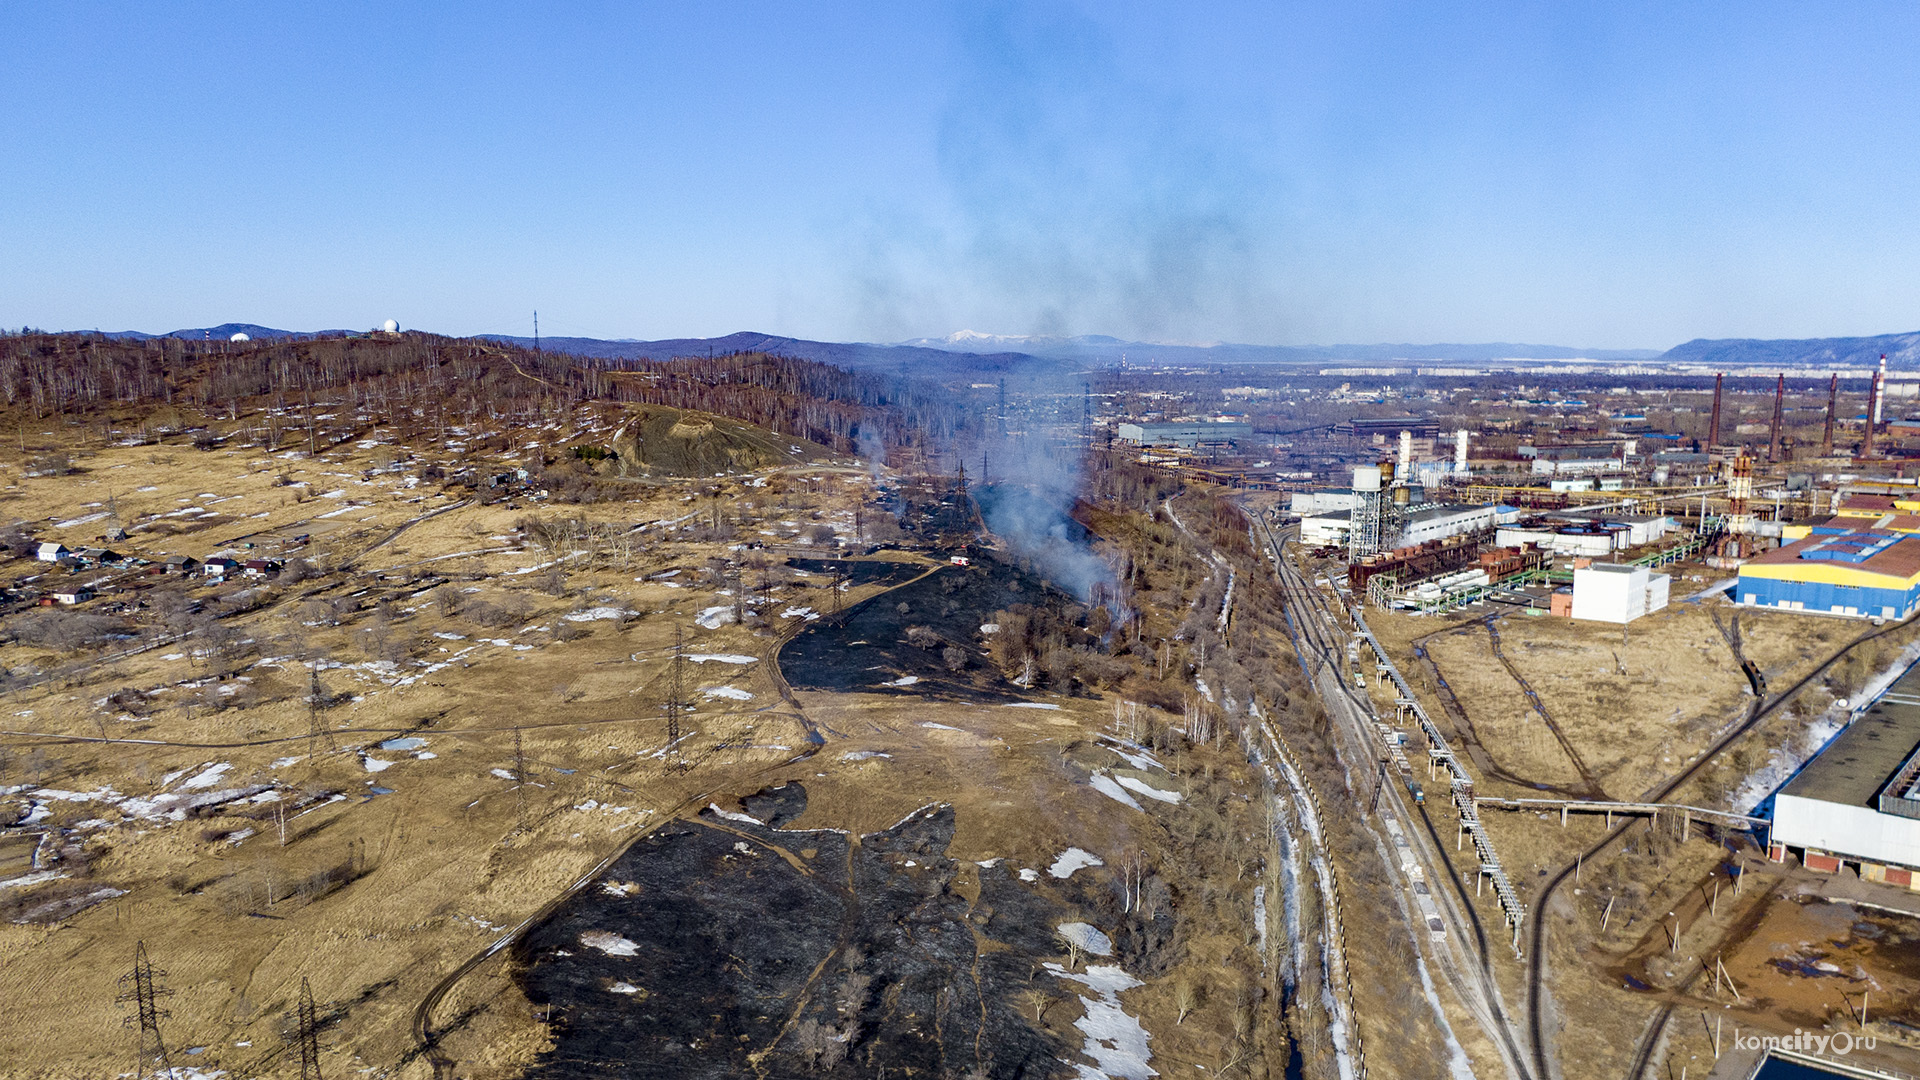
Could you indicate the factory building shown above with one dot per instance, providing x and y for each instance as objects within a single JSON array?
[
  {"x": 1604, "y": 592},
  {"x": 1421, "y": 524},
  {"x": 1309, "y": 503},
  {"x": 1586, "y": 535},
  {"x": 1439, "y": 522},
  {"x": 1185, "y": 434},
  {"x": 1837, "y": 571},
  {"x": 1858, "y": 800}
]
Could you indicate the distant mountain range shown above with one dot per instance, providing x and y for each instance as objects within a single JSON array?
[
  {"x": 893, "y": 359},
  {"x": 1901, "y": 350},
  {"x": 1100, "y": 350},
  {"x": 989, "y": 354},
  {"x": 223, "y": 332}
]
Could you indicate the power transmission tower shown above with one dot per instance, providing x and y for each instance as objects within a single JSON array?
[
  {"x": 519, "y": 778},
  {"x": 138, "y": 987},
  {"x": 676, "y": 691},
  {"x": 308, "y": 1032}
]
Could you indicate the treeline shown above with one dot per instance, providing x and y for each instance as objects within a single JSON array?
[{"x": 425, "y": 384}]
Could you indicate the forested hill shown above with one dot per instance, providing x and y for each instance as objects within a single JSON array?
[
  {"x": 422, "y": 383},
  {"x": 889, "y": 359},
  {"x": 1902, "y": 351}
]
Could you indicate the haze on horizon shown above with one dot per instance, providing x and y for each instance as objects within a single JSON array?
[{"x": 1608, "y": 176}]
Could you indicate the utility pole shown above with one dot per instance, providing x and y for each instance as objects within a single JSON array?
[
  {"x": 675, "y": 691},
  {"x": 519, "y": 778},
  {"x": 1713, "y": 425},
  {"x": 1833, "y": 399},
  {"x": 1779, "y": 399},
  {"x": 138, "y": 987},
  {"x": 308, "y": 1032},
  {"x": 536, "y": 331}
]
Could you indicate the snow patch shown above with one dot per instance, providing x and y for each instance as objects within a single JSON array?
[
  {"x": 1088, "y": 937},
  {"x": 610, "y": 943},
  {"x": 1073, "y": 859},
  {"x": 1142, "y": 788},
  {"x": 1115, "y": 1040},
  {"x": 1104, "y": 784}
]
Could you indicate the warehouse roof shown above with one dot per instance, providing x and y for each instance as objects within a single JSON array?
[
  {"x": 1859, "y": 762},
  {"x": 1856, "y": 505},
  {"x": 1871, "y": 551}
]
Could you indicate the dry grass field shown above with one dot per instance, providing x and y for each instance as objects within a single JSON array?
[
  {"x": 1635, "y": 708},
  {"x": 450, "y": 707}
]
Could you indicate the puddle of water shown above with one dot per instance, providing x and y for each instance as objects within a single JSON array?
[{"x": 408, "y": 743}]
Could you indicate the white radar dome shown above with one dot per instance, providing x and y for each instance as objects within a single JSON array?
[
  {"x": 390, "y": 326},
  {"x": 239, "y": 337}
]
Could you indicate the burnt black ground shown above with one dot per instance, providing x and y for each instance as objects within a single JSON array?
[
  {"x": 859, "y": 957},
  {"x": 865, "y": 647}
]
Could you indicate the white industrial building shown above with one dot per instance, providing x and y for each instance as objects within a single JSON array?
[
  {"x": 1858, "y": 800},
  {"x": 1327, "y": 529},
  {"x": 1308, "y": 503},
  {"x": 1440, "y": 522},
  {"x": 1574, "y": 466},
  {"x": 1594, "y": 536},
  {"x": 1605, "y": 592},
  {"x": 1423, "y": 523}
]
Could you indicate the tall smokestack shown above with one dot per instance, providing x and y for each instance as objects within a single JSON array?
[
  {"x": 1880, "y": 391},
  {"x": 1873, "y": 408},
  {"x": 1713, "y": 425},
  {"x": 1460, "y": 453},
  {"x": 1779, "y": 401},
  {"x": 1833, "y": 399},
  {"x": 1406, "y": 456}
]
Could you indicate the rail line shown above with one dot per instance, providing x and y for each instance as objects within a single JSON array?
[{"x": 1311, "y": 616}]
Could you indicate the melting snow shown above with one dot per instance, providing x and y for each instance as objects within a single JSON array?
[
  {"x": 904, "y": 680},
  {"x": 1032, "y": 705},
  {"x": 1104, "y": 784},
  {"x": 939, "y": 727},
  {"x": 597, "y": 613},
  {"x": 207, "y": 777},
  {"x": 863, "y": 755},
  {"x": 1087, "y": 937},
  {"x": 720, "y": 658},
  {"x": 731, "y": 816},
  {"x": 732, "y": 693},
  {"x": 624, "y": 988},
  {"x": 1151, "y": 792},
  {"x": 608, "y": 942},
  {"x": 714, "y": 618},
  {"x": 1073, "y": 859},
  {"x": 1115, "y": 1041},
  {"x": 375, "y": 764}
]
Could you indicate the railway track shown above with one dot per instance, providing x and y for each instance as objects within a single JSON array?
[{"x": 1313, "y": 620}]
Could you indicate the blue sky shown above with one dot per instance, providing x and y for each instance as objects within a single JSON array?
[{"x": 1608, "y": 175}]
